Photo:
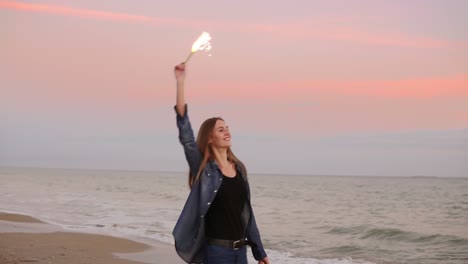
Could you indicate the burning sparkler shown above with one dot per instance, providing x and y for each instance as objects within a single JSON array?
[{"x": 202, "y": 43}]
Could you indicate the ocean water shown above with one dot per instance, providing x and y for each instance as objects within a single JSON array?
[{"x": 302, "y": 219}]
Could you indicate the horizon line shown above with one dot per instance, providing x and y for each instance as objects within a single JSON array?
[{"x": 254, "y": 173}]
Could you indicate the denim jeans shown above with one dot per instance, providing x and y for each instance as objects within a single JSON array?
[{"x": 215, "y": 254}]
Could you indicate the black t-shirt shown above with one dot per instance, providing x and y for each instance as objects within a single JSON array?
[{"x": 224, "y": 218}]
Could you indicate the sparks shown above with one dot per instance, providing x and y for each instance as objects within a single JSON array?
[{"x": 202, "y": 43}]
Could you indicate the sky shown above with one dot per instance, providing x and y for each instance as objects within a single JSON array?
[{"x": 373, "y": 88}]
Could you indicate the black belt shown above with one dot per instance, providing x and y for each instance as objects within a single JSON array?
[{"x": 234, "y": 244}]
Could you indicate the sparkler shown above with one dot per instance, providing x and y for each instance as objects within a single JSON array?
[{"x": 202, "y": 43}]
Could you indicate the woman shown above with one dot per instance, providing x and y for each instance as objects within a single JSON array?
[{"x": 217, "y": 221}]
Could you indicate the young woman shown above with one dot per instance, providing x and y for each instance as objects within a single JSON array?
[{"x": 217, "y": 221}]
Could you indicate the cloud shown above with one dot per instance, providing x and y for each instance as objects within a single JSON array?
[
  {"x": 78, "y": 12},
  {"x": 415, "y": 88},
  {"x": 300, "y": 29}
]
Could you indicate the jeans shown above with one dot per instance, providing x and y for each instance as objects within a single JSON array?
[{"x": 215, "y": 254}]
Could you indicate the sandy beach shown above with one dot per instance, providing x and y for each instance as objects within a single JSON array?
[{"x": 24, "y": 239}]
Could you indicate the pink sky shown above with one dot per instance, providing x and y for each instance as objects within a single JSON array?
[{"x": 309, "y": 70}]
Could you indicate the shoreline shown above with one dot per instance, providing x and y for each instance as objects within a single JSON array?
[{"x": 26, "y": 239}]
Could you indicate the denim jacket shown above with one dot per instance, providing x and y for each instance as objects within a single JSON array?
[{"x": 189, "y": 231}]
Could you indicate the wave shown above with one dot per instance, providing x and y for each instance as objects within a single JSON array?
[{"x": 395, "y": 234}]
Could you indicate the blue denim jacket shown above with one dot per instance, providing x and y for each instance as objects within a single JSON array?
[{"x": 189, "y": 231}]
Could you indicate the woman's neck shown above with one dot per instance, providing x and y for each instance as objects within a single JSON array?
[{"x": 221, "y": 157}]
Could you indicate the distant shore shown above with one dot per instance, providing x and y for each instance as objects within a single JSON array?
[{"x": 27, "y": 239}]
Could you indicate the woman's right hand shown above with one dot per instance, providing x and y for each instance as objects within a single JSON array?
[{"x": 179, "y": 71}]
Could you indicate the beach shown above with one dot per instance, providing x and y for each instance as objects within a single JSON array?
[
  {"x": 302, "y": 219},
  {"x": 24, "y": 239}
]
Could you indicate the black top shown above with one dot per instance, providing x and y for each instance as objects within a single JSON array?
[{"x": 223, "y": 220}]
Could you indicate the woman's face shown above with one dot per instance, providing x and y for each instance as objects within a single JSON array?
[{"x": 221, "y": 138}]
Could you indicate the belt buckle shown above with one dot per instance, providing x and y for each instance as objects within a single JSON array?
[{"x": 235, "y": 244}]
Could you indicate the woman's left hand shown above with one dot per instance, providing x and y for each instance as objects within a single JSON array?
[{"x": 264, "y": 261}]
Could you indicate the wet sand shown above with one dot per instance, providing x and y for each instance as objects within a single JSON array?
[{"x": 24, "y": 239}]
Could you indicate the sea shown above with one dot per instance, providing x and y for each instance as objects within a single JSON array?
[{"x": 316, "y": 219}]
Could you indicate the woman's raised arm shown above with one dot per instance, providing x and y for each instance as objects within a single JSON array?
[
  {"x": 186, "y": 137},
  {"x": 180, "y": 79}
]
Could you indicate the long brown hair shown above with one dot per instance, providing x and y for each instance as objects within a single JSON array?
[{"x": 206, "y": 150}]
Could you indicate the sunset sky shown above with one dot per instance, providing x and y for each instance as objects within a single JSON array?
[{"x": 307, "y": 87}]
